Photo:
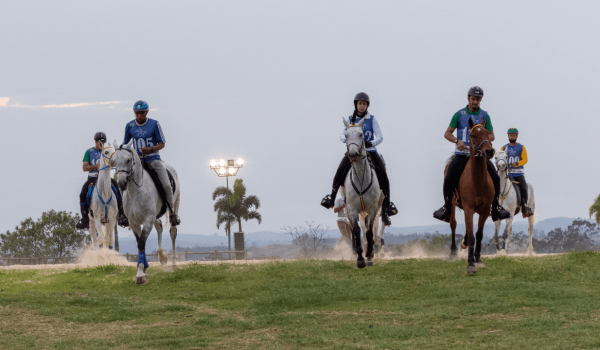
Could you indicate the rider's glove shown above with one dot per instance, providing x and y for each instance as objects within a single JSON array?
[{"x": 368, "y": 144}]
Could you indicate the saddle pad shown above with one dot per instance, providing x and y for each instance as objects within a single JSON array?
[{"x": 159, "y": 188}]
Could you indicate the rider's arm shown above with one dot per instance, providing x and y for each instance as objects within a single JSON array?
[
  {"x": 148, "y": 150},
  {"x": 377, "y": 135},
  {"x": 338, "y": 209},
  {"x": 492, "y": 137},
  {"x": 449, "y": 134},
  {"x": 127, "y": 137},
  {"x": 490, "y": 128},
  {"x": 87, "y": 167},
  {"x": 523, "y": 160}
]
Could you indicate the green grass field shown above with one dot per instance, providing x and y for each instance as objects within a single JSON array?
[{"x": 550, "y": 302}]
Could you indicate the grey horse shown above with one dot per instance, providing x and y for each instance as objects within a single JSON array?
[
  {"x": 363, "y": 194},
  {"x": 103, "y": 203},
  {"x": 142, "y": 203}
]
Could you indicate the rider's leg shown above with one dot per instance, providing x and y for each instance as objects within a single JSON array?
[
  {"x": 159, "y": 167},
  {"x": 524, "y": 195},
  {"x": 338, "y": 180},
  {"x": 84, "y": 223},
  {"x": 388, "y": 208},
  {"x": 122, "y": 221},
  {"x": 455, "y": 169},
  {"x": 498, "y": 213}
]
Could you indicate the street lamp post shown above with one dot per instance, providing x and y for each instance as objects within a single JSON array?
[{"x": 226, "y": 168}]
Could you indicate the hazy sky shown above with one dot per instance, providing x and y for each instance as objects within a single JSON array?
[{"x": 269, "y": 81}]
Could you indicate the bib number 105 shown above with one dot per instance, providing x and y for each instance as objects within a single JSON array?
[{"x": 142, "y": 143}]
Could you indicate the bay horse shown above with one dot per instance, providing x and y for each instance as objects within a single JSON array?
[{"x": 475, "y": 191}]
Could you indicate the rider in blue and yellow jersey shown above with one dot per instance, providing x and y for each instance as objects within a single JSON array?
[
  {"x": 91, "y": 164},
  {"x": 460, "y": 122},
  {"x": 373, "y": 137},
  {"x": 148, "y": 140},
  {"x": 517, "y": 158}
]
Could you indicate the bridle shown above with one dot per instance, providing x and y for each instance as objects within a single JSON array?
[
  {"x": 504, "y": 193},
  {"x": 107, "y": 160},
  {"x": 479, "y": 151},
  {"x": 130, "y": 173},
  {"x": 362, "y": 155}
]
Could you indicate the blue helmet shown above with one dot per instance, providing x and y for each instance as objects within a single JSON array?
[{"x": 140, "y": 106}]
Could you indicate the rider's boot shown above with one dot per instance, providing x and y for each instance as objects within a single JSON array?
[
  {"x": 174, "y": 219},
  {"x": 84, "y": 223},
  {"x": 392, "y": 210},
  {"x": 499, "y": 213},
  {"x": 444, "y": 213},
  {"x": 329, "y": 200},
  {"x": 527, "y": 212},
  {"x": 123, "y": 221}
]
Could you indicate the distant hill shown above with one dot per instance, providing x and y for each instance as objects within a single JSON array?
[{"x": 262, "y": 238}]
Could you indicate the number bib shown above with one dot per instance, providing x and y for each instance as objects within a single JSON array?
[
  {"x": 464, "y": 131},
  {"x": 514, "y": 154},
  {"x": 147, "y": 135}
]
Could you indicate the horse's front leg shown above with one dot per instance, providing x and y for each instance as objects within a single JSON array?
[
  {"x": 479, "y": 237},
  {"x": 453, "y": 249},
  {"x": 161, "y": 253},
  {"x": 142, "y": 263},
  {"x": 360, "y": 261},
  {"x": 530, "y": 220},
  {"x": 370, "y": 240},
  {"x": 173, "y": 232},
  {"x": 102, "y": 241},
  {"x": 470, "y": 239},
  {"x": 496, "y": 231},
  {"x": 93, "y": 233},
  {"x": 508, "y": 232}
]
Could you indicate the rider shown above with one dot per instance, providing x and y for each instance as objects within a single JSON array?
[
  {"x": 148, "y": 140},
  {"x": 373, "y": 137},
  {"x": 460, "y": 121},
  {"x": 517, "y": 158},
  {"x": 91, "y": 164}
]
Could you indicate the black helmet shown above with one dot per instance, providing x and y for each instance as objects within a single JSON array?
[
  {"x": 361, "y": 96},
  {"x": 476, "y": 91},
  {"x": 100, "y": 136}
]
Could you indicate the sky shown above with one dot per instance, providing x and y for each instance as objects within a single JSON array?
[{"x": 270, "y": 81}]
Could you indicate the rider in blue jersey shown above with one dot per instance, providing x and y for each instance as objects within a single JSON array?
[
  {"x": 373, "y": 137},
  {"x": 148, "y": 140},
  {"x": 91, "y": 164},
  {"x": 460, "y": 122},
  {"x": 517, "y": 158}
]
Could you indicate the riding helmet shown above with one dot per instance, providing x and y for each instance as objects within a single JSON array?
[
  {"x": 100, "y": 136},
  {"x": 476, "y": 91},
  {"x": 361, "y": 96},
  {"x": 141, "y": 106},
  {"x": 513, "y": 131}
]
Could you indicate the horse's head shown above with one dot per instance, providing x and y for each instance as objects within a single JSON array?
[
  {"x": 107, "y": 153},
  {"x": 501, "y": 161},
  {"x": 123, "y": 159},
  {"x": 355, "y": 141},
  {"x": 479, "y": 140}
]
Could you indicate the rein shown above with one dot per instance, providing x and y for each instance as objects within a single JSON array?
[
  {"x": 503, "y": 194},
  {"x": 479, "y": 151},
  {"x": 130, "y": 173}
]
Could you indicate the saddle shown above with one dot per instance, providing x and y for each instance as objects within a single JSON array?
[{"x": 159, "y": 187}]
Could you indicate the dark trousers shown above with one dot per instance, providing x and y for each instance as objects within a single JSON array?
[
  {"x": 380, "y": 171},
  {"x": 523, "y": 187},
  {"x": 455, "y": 170},
  {"x": 84, "y": 191}
]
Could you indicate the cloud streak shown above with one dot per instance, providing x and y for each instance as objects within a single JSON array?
[{"x": 4, "y": 103}]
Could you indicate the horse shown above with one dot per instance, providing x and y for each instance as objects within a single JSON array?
[
  {"x": 476, "y": 193},
  {"x": 362, "y": 192},
  {"x": 379, "y": 242},
  {"x": 103, "y": 204},
  {"x": 508, "y": 199},
  {"x": 142, "y": 204}
]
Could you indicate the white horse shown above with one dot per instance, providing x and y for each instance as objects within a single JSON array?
[
  {"x": 379, "y": 242},
  {"x": 103, "y": 204},
  {"x": 362, "y": 192},
  {"x": 142, "y": 204},
  {"x": 508, "y": 199}
]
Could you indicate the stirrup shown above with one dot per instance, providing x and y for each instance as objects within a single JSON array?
[
  {"x": 500, "y": 214},
  {"x": 83, "y": 224},
  {"x": 442, "y": 214},
  {"x": 327, "y": 202},
  {"x": 392, "y": 210}
]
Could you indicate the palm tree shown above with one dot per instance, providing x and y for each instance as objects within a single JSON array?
[
  {"x": 595, "y": 210},
  {"x": 238, "y": 208}
]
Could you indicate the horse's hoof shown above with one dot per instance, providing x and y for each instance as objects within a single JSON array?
[
  {"x": 453, "y": 255},
  {"x": 163, "y": 260},
  {"x": 361, "y": 264},
  {"x": 174, "y": 266},
  {"x": 471, "y": 269},
  {"x": 141, "y": 280},
  {"x": 462, "y": 246},
  {"x": 369, "y": 262}
]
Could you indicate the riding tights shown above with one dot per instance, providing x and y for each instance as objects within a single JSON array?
[
  {"x": 524, "y": 190},
  {"x": 455, "y": 170},
  {"x": 380, "y": 171},
  {"x": 86, "y": 185},
  {"x": 159, "y": 168}
]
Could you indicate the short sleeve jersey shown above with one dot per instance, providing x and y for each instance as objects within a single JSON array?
[
  {"x": 460, "y": 122},
  {"x": 515, "y": 155},
  {"x": 147, "y": 135},
  {"x": 92, "y": 156}
]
